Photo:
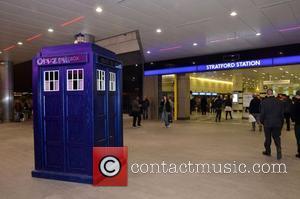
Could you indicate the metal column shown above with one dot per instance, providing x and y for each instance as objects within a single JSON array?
[{"x": 6, "y": 91}]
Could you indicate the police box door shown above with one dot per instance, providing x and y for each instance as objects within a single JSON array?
[
  {"x": 52, "y": 117},
  {"x": 112, "y": 105},
  {"x": 65, "y": 110}
]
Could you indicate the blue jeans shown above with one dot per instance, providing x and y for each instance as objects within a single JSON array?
[{"x": 165, "y": 118}]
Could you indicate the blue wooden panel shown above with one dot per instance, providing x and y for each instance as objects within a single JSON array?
[
  {"x": 79, "y": 159},
  {"x": 54, "y": 157}
]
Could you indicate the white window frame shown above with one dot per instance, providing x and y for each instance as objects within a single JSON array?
[
  {"x": 112, "y": 81},
  {"x": 70, "y": 82},
  {"x": 46, "y": 83},
  {"x": 100, "y": 80}
]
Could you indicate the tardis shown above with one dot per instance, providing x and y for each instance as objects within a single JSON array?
[{"x": 77, "y": 106}]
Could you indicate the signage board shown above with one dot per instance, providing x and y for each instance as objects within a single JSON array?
[{"x": 62, "y": 60}]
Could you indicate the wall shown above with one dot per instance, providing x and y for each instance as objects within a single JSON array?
[{"x": 198, "y": 85}]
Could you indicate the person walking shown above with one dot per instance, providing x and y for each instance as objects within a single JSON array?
[
  {"x": 145, "y": 105},
  {"x": 272, "y": 116},
  {"x": 165, "y": 109},
  {"x": 295, "y": 113},
  {"x": 136, "y": 112},
  {"x": 203, "y": 105},
  {"x": 287, "y": 102},
  {"x": 228, "y": 107},
  {"x": 218, "y": 107},
  {"x": 254, "y": 110}
]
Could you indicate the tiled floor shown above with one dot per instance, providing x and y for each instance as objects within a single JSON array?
[{"x": 198, "y": 141}]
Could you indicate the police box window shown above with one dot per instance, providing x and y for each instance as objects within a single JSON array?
[
  {"x": 51, "y": 80},
  {"x": 75, "y": 80},
  {"x": 100, "y": 80},
  {"x": 112, "y": 81}
]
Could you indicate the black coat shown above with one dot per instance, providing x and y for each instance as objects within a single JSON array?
[
  {"x": 272, "y": 112},
  {"x": 168, "y": 106},
  {"x": 296, "y": 112},
  {"x": 254, "y": 106}
]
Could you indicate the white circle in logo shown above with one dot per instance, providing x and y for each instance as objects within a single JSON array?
[{"x": 109, "y": 166}]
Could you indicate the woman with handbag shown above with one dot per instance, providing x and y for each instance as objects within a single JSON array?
[{"x": 228, "y": 107}]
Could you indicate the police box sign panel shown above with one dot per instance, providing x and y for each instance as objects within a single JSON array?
[{"x": 62, "y": 60}]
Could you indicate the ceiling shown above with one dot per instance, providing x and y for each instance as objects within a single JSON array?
[{"x": 183, "y": 22}]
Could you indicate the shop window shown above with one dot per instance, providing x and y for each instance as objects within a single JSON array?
[
  {"x": 100, "y": 80},
  {"x": 112, "y": 81},
  {"x": 75, "y": 80},
  {"x": 51, "y": 80}
]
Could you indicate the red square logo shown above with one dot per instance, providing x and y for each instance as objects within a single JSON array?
[{"x": 110, "y": 166}]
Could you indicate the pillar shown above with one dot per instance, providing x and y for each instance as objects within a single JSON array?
[
  {"x": 237, "y": 87},
  {"x": 183, "y": 96},
  {"x": 6, "y": 91},
  {"x": 153, "y": 90}
]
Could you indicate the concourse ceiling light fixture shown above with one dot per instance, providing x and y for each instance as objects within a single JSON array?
[
  {"x": 50, "y": 30},
  {"x": 233, "y": 13},
  {"x": 195, "y": 44},
  {"x": 148, "y": 52},
  {"x": 99, "y": 9},
  {"x": 255, "y": 71},
  {"x": 280, "y": 68},
  {"x": 287, "y": 72},
  {"x": 258, "y": 34},
  {"x": 158, "y": 30},
  {"x": 20, "y": 43}
]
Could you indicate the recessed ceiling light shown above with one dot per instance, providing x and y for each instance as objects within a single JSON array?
[
  {"x": 233, "y": 14},
  {"x": 50, "y": 30},
  {"x": 151, "y": 63},
  {"x": 99, "y": 9},
  {"x": 263, "y": 73},
  {"x": 195, "y": 44},
  {"x": 255, "y": 71},
  {"x": 194, "y": 63},
  {"x": 0, "y": 52},
  {"x": 148, "y": 52},
  {"x": 136, "y": 65},
  {"x": 280, "y": 68},
  {"x": 292, "y": 74},
  {"x": 20, "y": 43},
  {"x": 158, "y": 30},
  {"x": 258, "y": 34},
  {"x": 286, "y": 72}
]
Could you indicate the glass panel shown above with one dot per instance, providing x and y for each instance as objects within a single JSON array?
[
  {"x": 75, "y": 74},
  {"x": 74, "y": 84},
  {"x": 46, "y": 76},
  {"x": 69, "y": 75},
  {"x": 56, "y": 75},
  {"x": 80, "y": 74}
]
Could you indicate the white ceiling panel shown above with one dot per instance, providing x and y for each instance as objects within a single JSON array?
[{"x": 183, "y": 22}]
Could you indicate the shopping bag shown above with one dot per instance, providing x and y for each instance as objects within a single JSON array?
[{"x": 251, "y": 118}]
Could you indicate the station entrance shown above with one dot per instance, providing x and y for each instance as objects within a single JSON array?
[{"x": 237, "y": 85}]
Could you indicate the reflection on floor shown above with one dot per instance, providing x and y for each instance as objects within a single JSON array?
[{"x": 197, "y": 141}]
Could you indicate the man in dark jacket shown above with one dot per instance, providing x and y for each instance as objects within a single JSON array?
[
  {"x": 146, "y": 104},
  {"x": 254, "y": 109},
  {"x": 136, "y": 112},
  {"x": 271, "y": 116},
  {"x": 218, "y": 107},
  {"x": 296, "y": 118},
  {"x": 287, "y": 103}
]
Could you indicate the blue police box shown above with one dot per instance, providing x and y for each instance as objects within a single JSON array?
[{"x": 77, "y": 106}]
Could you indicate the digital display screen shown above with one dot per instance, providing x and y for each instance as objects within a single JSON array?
[{"x": 235, "y": 98}]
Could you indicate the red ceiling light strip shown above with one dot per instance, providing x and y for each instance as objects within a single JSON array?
[
  {"x": 9, "y": 48},
  {"x": 34, "y": 37},
  {"x": 72, "y": 21}
]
